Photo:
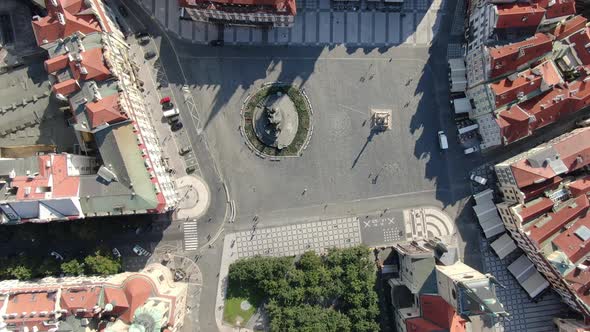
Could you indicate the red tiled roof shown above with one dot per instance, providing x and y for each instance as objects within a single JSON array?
[
  {"x": 580, "y": 186},
  {"x": 559, "y": 8},
  {"x": 537, "y": 189},
  {"x": 288, "y": 7},
  {"x": 49, "y": 28},
  {"x": 532, "y": 211},
  {"x": 71, "y": 6},
  {"x": 117, "y": 298},
  {"x": 580, "y": 282},
  {"x": 28, "y": 302},
  {"x": 106, "y": 110},
  {"x": 66, "y": 87},
  {"x": 513, "y": 123},
  {"x": 573, "y": 150},
  {"x": 559, "y": 219},
  {"x": 137, "y": 289},
  {"x": 570, "y": 26},
  {"x": 93, "y": 61},
  {"x": 422, "y": 325},
  {"x": 507, "y": 91},
  {"x": 437, "y": 310},
  {"x": 55, "y": 177},
  {"x": 519, "y": 15},
  {"x": 56, "y": 63},
  {"x": 80, "y": 298},
  {"x": 506, "y": 59},
  {"x": 570, "y": 244},
  {"x": 580, "y": 41}
]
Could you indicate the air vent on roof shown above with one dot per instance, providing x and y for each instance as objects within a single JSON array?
[
  {"x": 83, "y": 70},
  {"x": 54, "y": 3},
  {"x": 12, "y": 174},
  {"x": 61, "y": 19},
  {"x": 512, "y": 77},
  {"x": 551, "y": 3},
  {"x": 27, "y": 191},
  {"x": 36, "y": 18}
]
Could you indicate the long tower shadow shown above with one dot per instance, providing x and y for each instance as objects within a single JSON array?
[{"x": 372, "y": 133}]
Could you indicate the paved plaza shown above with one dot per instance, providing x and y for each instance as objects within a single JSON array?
[
  {"x": 525, "y": 315},
  {"x": 318, "y": 23},
  {"x": 296, "y": 239}
]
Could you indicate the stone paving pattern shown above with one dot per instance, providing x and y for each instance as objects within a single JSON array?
[
  {"x": 295, "y": 239},
  {"x": 318, "y": 23},
  {"x": 525, "y": 315}
]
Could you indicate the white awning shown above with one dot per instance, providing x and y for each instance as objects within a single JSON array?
[
  {"x": 503, "y": 246},
  {"x": 462, "y": 105},
  {"x": 527, "y": 276},
  {"x": 487, "y": 214}
]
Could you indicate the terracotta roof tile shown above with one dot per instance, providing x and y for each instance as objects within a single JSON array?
[
  {"x": 287, "y": 6},
  {"x": 570, "y": 26},
  {"x": 506, "y": 59},
  {"x": 106, "y": 110},
  {"x": 66, "y": 87},
  {"x": 519, "y": 15}
]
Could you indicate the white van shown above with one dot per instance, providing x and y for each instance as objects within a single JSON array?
[
  {"x": 442, "y": 140},
  {"x": 171, "y": 112},
  {"x": 471, "y": 150}
]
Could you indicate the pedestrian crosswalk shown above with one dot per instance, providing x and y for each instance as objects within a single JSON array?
[{"x": 191, "y": 239}]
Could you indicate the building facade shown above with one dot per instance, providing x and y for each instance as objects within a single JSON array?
[
  {"x": 261, "y": 13},
  {"x": 149, "y": 300},
  {"x": 545, "y": 209},
  {"x": 118, "y": 167}
]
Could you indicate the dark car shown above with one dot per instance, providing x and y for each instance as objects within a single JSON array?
[
  {"x": 190, "y": 169},
  {"x": 176, "y": 126},
  {"x": 167, "y": 106},
  {"x": 216, "y": 42},
  {"x": 141, "y": 34},
  {"x": 123, "y": 11},
  {"x": 149, "y": 55},
  {"x": 144, "y": 40},
  {"x": 173, "y": 119}
]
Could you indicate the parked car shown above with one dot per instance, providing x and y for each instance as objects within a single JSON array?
[
  {"x": 167, "y": 106},
  {"x": 442, "y": 140},
  {"x": 190, "y": 169},
  {"x": 171, "y": 120},
  {"x": 471, "y": 150},
  {"x": 139, "y": 251},
  {"x": 144, "y": 40},
  {"x": 478, "y": 179},
  {"x": 149, "y": 55},
  {"x": 170, "y": 113},
  {"x": 184, "y": 150},
  {"x": 141, "y": 34},
  {"x": 165, "y": 100},
  {"x": 176, "y": 126},
  {"x": 217, "y": 42},
  {"x": 123, "y": 11},
  {"x": 116, "y": 253},
  {"x": 57, "y": 256},
  {"x": 583, "y": 123}
]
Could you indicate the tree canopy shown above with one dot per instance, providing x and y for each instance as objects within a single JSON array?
[{"x": 329, "y": 293}]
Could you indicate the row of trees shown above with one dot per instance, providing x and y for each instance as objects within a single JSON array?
[
  {"x": 329, "y": 293},
  {"x": 26, "y": 268}
]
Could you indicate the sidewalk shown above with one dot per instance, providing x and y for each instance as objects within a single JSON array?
[{"x": 194, "y": 197}]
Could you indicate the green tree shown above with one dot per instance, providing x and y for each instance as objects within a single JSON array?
[
  {"x": 21, "y": 272},
  {"x": 48, "y": 267},
  {"x": 72, "y": 268},
  {"x": 101, "y": 264}
]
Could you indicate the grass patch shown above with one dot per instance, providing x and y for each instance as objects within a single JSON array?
[
  {"x": 232, "y": 311},
  {"x": 303, "y": 112}
]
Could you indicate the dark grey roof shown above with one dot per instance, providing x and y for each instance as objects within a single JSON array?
[
  {"x": 62, "y": 206},
  {"x": 20, "y": 166},
  {"x": 26, "y": 209},
  {"x": 79, "y": 99}
]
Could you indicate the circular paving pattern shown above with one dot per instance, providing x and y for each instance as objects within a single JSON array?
[
  {"x": 245, "y": 305},
  {"x": 253, "y": 105}
]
